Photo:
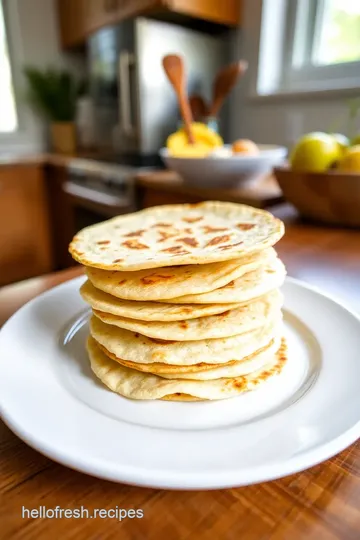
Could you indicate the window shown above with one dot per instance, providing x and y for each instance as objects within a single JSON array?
[
  {"x": 318, "y": 47},
  {"x": 8, "y": 117}
]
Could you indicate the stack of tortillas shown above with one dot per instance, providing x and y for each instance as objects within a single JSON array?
[{"x": 185, "y": 299}]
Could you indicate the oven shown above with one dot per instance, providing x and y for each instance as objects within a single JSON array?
[{"x": 97, "y": 191}]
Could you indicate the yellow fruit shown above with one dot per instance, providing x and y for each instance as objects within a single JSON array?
[
  {"x": 351, "y": 160},
  {"x": 197, "y": 150},
  {"x": 315, "y": 152},
  {"x": 244, "y": 146},
  {"x": 205, "y": 140}
]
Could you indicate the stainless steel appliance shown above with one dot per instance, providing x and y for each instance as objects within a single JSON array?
[
  {"x": 97, "y": 190},
  {"x": 109, "y": 186},
  {"x": 135, "y": 106}
]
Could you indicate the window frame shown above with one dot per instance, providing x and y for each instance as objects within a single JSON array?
[
  {"x": 305, "y": 75},
  {"x": 276, "y": 76},
  {"x": 28, "y": 138},
  {"x": 4, "y": 14}
]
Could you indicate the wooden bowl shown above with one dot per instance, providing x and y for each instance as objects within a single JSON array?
[{"x": 332, "y": 197}]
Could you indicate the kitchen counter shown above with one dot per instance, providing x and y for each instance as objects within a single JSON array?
[
  {"x": 165, "y": 187},
  {"x": 49, "y": 158},
  {"x": 158, "y": 186}
]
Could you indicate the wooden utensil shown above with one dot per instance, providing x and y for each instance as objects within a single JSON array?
[
  {"x": 199, "y": 107},
  {"x": 224, "y": 82},
  {"x": 175, "y": 71}
]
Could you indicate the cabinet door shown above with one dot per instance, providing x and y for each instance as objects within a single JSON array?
[
  {"x": 106, "y": 12},
  {"x": 72, "y": 17},
  {"x": 222, "y": 12},
  {"x": 25, "y": 249}
]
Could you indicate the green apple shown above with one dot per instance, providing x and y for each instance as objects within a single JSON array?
[
  {"x": 342, "y": 140},
  {"x": 315, "y": 152},
  {"x": 355, "y": 140}
]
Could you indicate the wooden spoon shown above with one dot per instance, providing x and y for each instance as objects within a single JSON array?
[
  {"x": 199, "y": 107},
  {"x": 175, "y": 71},
  {"x": 224, "y": 82}
]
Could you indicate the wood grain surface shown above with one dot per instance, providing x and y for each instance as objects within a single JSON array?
[
  {"x": 322, "y": 503},
  {"x": 166, "y": 187},
  {"x": 25, "y": 245}
]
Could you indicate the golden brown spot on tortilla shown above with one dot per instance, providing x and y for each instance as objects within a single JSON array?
[
  {"x": 184, "y": 325},
  {"x": 162, "y": 225},
  {"x": 192, "y": 219},
  {"x": 189, "y": 241},
  {"x": 135, "y": 233},
  {"x": 245, "y": 226},
  {"x": 103, "y": 242},
  {"x": 218, "y": 240},
  {"x": 117, "y": 260},
  {"x": 134, "y": 244},
  {"x": 207, "y": 229},
  {"x": 103, "y": 248},
  {"x": 238, "y": 383},
  {"x": 164, "y": 235},
  {"x": 231, "y": 284},
  {"x": 229, "y": 246},
  {"x": 269, "y": 271},
  {"x": 158, "y": 356},
  {"x": 178, "y": 250},
  {"x": 188, "y": 230},
  {"x": 281, "y": 356},
  {"x": 154, "y": 278},
  {"x": 122, "y": 282},
  {"x": 136, "y": 335}
]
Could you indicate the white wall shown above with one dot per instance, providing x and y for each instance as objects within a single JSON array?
[
  {"x": 277, "y": 120},
  {"x": 32, "y": 29}
]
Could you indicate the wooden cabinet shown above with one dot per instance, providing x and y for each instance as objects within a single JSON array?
[
  {"x": 79, "y": 18},
  {"x": 101, "y": 13},
  {"x": 225, "y": 12},
  {"x": 25, "y": 249},
  {"x": 72, "y": 16}
]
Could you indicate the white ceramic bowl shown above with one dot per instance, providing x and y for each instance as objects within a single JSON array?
[{"x": 225, "y": 171}]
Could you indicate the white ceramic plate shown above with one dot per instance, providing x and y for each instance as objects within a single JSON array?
[
  {"x": 51, "y": 400},
  {"x": 220, "y": 171}
]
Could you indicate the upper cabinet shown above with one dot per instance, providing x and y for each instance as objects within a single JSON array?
[
  {"x": 226, "y": 12},
  {"x": 72, "y": 20},
  {"x": 79, "y": 18}
]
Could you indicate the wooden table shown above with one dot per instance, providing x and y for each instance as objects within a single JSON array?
[{"x": 322, "y": 503}]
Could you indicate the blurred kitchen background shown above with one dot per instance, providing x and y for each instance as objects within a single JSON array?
[{"x": 85, "y": 105}]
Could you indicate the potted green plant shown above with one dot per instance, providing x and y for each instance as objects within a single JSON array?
[{"x": 54, "y": 93}]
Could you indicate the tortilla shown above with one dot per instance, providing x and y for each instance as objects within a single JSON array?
[
  {"x": 134, "y": 347},
  {"x": 176, "y": 235},
  {"x": 171, "y": 282},
  {"x": 230, "y": 323},
  {"x": 142, "y": 386}
]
